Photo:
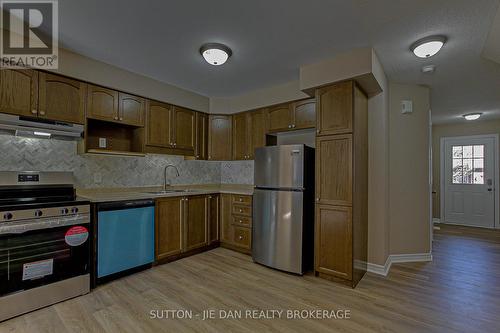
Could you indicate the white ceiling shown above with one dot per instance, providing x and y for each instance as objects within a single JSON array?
[{"x": 271, "y": 39}]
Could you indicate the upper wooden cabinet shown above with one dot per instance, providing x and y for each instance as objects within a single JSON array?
[
  {"x": 292, "y": 116},
  {"x": 19, "y": 92},
  {"x": 334, "y": 106},
  {"x": 201, "y": 147},
  {"x": 249, "y": 132},
  {"x": 304, "y": 114},
  {"x": 196, "y": 222},
  {"x": 131, "y": 109},
  {"x": 279, "y": 118},
  {"x": 184, "y": 129},
  {"x": 240, "y": 136},
  {"x": 158, "y": 128},
  {"x": 219, "y": 137},
  {"x": 102, "y": 103},
  {"x": 61, "y": 98},
  {"x": 111, "y": 105}
]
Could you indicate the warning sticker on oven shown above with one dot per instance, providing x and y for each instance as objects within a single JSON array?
[
  {"x": 76, "y": 236},
  {"x": 37, "y": 269}
]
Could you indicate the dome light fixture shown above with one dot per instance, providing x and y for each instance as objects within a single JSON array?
[
  {"x": 472, "y": 116},
  {"x": 215, "y": 53},
  {"x": 427, "y": 47}
]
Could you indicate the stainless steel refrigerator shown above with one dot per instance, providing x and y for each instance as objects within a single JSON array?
[{"x": 283, "y": 208}]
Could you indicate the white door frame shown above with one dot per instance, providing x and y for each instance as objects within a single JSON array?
[{"x": 496, "y": 169}]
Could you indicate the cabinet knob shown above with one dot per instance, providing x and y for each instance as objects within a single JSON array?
[
  {"x": 121, "y": 118},
  {"x": 240, "y": 237},
  {"x": 209, "y": 157},
  {"x": 240, "y": 221},
  {"x": 317, "y": 131},
  {"x": 241, "y": 199},
  {"x": 289, "y": 126},
  {"x": 115, "y": 118},
  {"x": 317, "y": 199},
  {"x": 293, "y": 126},
  {"x": 241, "y": 210},
  {"x": 42, "y": 113},
  {"x": 34, "y": 111}
]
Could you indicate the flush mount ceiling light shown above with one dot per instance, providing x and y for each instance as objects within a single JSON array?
[
  {"x": 472, "y": 116},
  {"x": 427, "y": 47},
  {"x": 215, "y": 53}
]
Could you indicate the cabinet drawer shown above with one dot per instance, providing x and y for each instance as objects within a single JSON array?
[
  {"x": 242, "y": 210},
  {"x": 242, "y": 237},
  {"x": 242, "y": 221},
  {"x": 242, "y": 199}
]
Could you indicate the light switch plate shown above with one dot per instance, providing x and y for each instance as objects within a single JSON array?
[{"x": 102, "y": 143}]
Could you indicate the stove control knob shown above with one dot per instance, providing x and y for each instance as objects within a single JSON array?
[
  {"x": 64, "y": 211},
  {"x": 7, "y": 216},
  {"x": 38, "y": 213},
  {"x": 74, "y": 210}
]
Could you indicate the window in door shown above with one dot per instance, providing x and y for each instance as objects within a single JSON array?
[{"x": 468, "y": 164}]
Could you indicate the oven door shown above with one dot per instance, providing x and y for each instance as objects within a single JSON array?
[{"x": 32, "y": 258}]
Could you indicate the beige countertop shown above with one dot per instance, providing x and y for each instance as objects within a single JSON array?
[{"x": 134, "y": 193}]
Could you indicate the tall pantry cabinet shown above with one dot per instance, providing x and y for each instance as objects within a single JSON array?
[{"x": 341, "y": 220}]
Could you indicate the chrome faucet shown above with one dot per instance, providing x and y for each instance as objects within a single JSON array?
[{"x": 165, "y": 185}]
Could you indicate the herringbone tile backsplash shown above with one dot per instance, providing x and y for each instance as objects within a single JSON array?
[{"x": 21, "y": 154}]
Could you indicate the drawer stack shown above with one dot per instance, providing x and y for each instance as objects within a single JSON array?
[{"x": 236, "y": 225}]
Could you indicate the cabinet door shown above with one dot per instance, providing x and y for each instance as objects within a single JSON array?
[
  {"x": 219, "y": 137},
  {"x": 213, "y": 218},
  {"x": 334, "y": 170},
  {"x": 304, "y": 114},
  {"x": 201, "y": 148},
  {"x": 279, "y": 118},
  {"x": 131, "y": 109},
  {"x": 334, "y": 107},
  {"x": 226, "y": 229},
  {"x": 61, "y": 99},
  {"x": 240, "y": 137},
  {"x": 196, "y": 222},
  {"x": 158, "y": 120},
  {"x": 256, "y": 131},
  {"x": 19, "y": 92},
  {"x": 333, "y": 253},
  {"x": 184, "y": 128},
  {"x": 169, "y": 227},
  {"x": 102, "y": 103}
]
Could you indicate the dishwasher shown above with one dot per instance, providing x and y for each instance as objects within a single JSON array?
[{"x": 125, "y": 238}]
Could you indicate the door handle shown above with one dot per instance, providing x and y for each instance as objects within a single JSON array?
[{"x": 490, "y": 189}]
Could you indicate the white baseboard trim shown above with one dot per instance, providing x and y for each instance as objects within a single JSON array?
[
  {"x": 436, "y": 220},
  {"x": 398, "y": 258}
]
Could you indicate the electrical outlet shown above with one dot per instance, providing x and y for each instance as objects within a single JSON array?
[{"x": 103, "y": 143}]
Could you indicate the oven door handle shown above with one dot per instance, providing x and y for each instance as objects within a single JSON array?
[{"x": 19, "y": 227}]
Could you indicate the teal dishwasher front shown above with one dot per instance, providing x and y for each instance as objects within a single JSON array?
[{"x": 125, "y": 236}]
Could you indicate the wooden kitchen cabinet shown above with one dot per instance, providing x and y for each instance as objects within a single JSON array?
[
  {"x": 219, "y": 137},
  {"x": 341, "y": 218},
  {"x": 169, "y": 227},
  {"x": 292, "y": 116},
  {"x": 102, "y": 103},
  {"x": 236, "y": 222},
  {"x": 338, "y": 99},
  {"x": 249, "y": 132},
  {"x": 184, "y": 129},
  {"x": 131, "y": 109},
  {"x": 213, "y": 218},
  {"x": 201, "y": 146},
  {"x": 158, "y": 129},
  {"x": 196, "y": 222},
  {"x": 61, "y": 98},
  {"x": 19, "y": 92}
]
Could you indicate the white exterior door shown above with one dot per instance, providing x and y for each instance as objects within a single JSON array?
[{"x": 469, "y": 171}]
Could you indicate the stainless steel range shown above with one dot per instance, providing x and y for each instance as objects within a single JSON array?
[{"x": 45, "y": 239}]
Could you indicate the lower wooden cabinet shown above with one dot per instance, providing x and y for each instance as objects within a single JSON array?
[
  {"x": 236, "y": 222},
  {"x": 213, "y": 218},
  {"x": 182, "y": 224}
]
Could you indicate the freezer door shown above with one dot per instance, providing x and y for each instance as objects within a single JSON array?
[
  {"x": 279, "y": 166},
  {"x": 277, "y": 229}
]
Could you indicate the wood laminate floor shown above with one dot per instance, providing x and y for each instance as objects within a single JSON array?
[{"x": 458, "y": 292}]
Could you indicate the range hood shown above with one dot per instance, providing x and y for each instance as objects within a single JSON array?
[{"x": 39, "y": 128}]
